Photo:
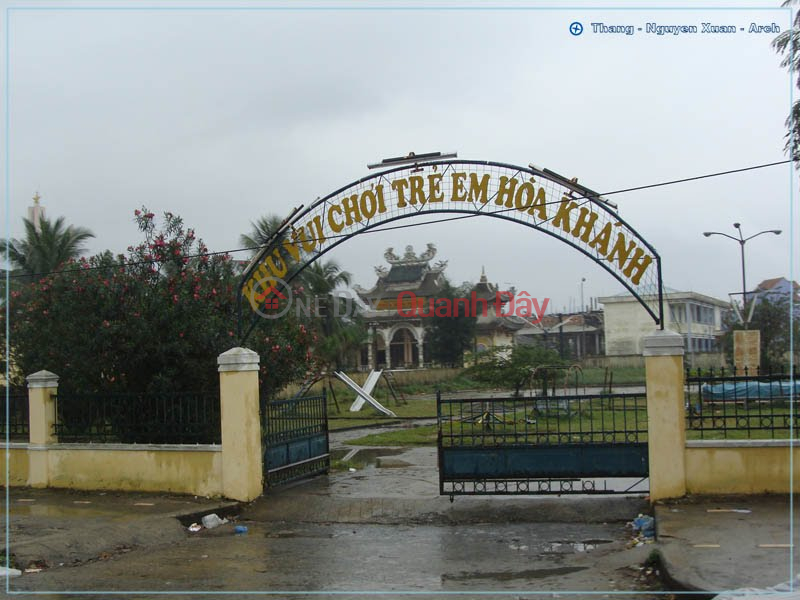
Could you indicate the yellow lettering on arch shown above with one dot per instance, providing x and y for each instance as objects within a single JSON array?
[
  {"x": 539, "y": 206},
  {"x": 622, "y": 248},
  {"x": 479, "y": 190},
  {"x": 601, "y": 240},
  {"x": 335, "y": 227},
  {"x": 562, "y": 215}
]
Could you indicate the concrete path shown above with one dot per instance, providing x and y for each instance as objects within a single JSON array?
[
  {"x": 385, "y": 527},
  {"x": 64, "y": 528},
  {"x": 382, "y": 528},
  {"x": 718, "y": 545},
  {"x": 401, "y": 486}
]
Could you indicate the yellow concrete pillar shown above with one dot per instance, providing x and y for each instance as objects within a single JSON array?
[
  {"x": 42, "y": 387},
  {"x": 241, "y": 424},
  {"x": 666, "y": 423}
]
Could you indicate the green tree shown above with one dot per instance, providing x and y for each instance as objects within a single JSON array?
[
  {"x": 261, "y": 230},
  {"x": 449, "y": 336},
  {"x": 771, "y": 319},
  {"x": 515, "y": 367},
  {"x": 338, "y": 334},
  {"x": 787, "y": 44},
  {"x": 45, "y": 250},
  {"x": 323, "y": 277},
  {"x": 150, "y": 321}
]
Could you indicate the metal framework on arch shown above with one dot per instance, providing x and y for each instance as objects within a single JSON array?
[{"x": 529, "y": 196}]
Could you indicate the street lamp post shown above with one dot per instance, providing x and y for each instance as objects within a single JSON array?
[
  {"x": 583, "y": 323},
  {"x": 741, "y": 240}
]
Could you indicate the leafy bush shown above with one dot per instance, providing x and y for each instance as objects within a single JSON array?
[
  {"x": 153, "y": 320},
  {"x": 512, "y": 368}
]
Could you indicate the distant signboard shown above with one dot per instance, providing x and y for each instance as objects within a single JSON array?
[{"x": 746, "y": 349}]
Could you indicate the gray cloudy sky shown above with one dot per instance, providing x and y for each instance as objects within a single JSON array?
[{"x": 225, "y": 115}]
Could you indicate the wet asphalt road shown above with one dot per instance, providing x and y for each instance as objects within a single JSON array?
[
  {"x": 290, "y": 557},
  {"x": 379, "y": 530}
]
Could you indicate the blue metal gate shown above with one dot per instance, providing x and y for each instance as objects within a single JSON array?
[
  {"x": 542, "y": 445},
  {"x": 295, "y": 436}
]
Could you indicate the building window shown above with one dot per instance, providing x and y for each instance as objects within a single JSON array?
[
  {"x": 701, "y": 314},
  {"x": 677, "y": 313}
]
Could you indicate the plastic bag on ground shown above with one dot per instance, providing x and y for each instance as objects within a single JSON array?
[
  {"x": 646, "y": 525},
  {"x": 212, "y": 520}
]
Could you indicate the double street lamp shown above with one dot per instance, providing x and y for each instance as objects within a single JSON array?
[{"x": 741, "y": 240}]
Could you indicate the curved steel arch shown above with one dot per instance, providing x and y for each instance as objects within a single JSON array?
[{"x": 541, "y": 200}]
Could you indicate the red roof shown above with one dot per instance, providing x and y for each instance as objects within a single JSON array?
[{"x": 768, "y": 284}]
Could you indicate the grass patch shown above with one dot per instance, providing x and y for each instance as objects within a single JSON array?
[
  {"x": 737, "y": 434},
  {"x": 338, "y": 464},
  {"x": 732, "y": 421},
  {"x": 426, "y": 382},
  {"x": 407, "y": 383},
  {"x": 343, "y": 418},
  {"x": 621, "y": 420},
  {"x": 624, "y": 376},
  {"x": 413, "y": 436},
  {"x": 12, "y": 563}
]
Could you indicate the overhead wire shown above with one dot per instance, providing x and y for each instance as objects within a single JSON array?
[{"x": 379, "y": 229}]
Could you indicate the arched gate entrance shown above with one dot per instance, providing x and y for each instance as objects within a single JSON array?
[{"x": 503, "y": 448}]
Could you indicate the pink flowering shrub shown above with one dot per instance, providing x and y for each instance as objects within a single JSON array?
[{"x": 154, "y": 319}]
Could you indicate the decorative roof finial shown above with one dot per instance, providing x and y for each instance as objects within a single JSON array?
[{"x": 36, "y": 198}]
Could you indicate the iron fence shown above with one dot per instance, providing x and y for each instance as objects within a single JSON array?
[
  {"x": 294, "y": 418},
  {"x": 567, "y": 419},
  {"x": 741, "y": 404},
  {"x": 295, "y": 437},
  {"x": 15, "y": 426},
  {"x": 142, "y": 418}
]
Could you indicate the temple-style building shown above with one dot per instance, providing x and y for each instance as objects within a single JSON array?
[
  {"x": 396, "y": 340},
  {"x": 493, "y": 330}
]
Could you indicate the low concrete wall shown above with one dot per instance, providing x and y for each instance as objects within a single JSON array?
[
  {"x": 232, "y": 469},
  {"x": 614, "y": 362},
  {"x": 698, "y": 360},
  {"x": 184, "y": 469},
  {"x": 740, "y": 466},
  {"x": 17, "y": 465}
]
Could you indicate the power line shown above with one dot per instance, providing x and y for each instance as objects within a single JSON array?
[
  {"x": 405, "y": 225},
  {"x": 684, "y": 180}
]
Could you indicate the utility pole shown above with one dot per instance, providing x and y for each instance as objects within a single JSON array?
[{"x": 741, "y": 240}]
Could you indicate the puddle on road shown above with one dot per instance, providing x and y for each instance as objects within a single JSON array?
[
  {"x": 509, "y": 575},
  {"x": 297, "y": 534},
  {"x": 564, "y": 546},
  {"x": 364, "y": 457},
  {"x": 61, "y": 511}
]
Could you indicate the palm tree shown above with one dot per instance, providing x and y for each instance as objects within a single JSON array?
[
  {"x": 323, "y": 277},
  {"x": 45, "y": 250},
  {"x": 337, "y": 335},
  {"x": 261, "y": 230},
  {"x": 787, "y": 44}
]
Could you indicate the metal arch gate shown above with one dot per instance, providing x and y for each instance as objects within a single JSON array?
[
  {"x": 295, "y": 439},
  {"x": 542, "y": 445},
  {"x": 505, "y": 445},
  {"x": 539, "y": 199}
]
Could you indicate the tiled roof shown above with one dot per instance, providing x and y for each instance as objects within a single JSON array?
[
  {"x": 405, "y": 273},
  {"x": 768, "y": 284}
]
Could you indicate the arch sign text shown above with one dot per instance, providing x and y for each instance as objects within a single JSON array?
[{"x": 526, "y": 195}]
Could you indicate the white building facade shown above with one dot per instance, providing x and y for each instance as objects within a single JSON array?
[{"x": 697, "y": 317}]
